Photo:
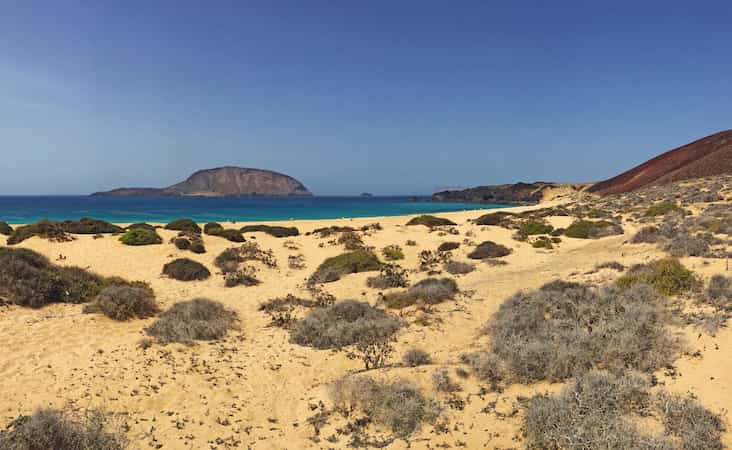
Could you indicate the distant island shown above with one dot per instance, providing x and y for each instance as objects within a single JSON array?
[{"x": 222, "y": 182}]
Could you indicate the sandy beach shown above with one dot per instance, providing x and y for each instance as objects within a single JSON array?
[{"x": 255, "y": 389}]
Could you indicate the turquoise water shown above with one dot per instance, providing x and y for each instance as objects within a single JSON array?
[{"x": 26, "y": 209}]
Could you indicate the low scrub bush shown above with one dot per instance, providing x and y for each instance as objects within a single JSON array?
[
  {"x": 182, "y": 243},
  {"x": 647, "y": 235},
  {"x": 229, "y": 259},
  {"x": 485, "y": 366},
  {"x": 392, "y": 253},
  {"x": 184, "y": 225},
  {"x": 429, "y": 291},
  {"x": 613, "y": 265},
  {"x": 123, "y": 302},
  {"x": 684, "y": 244},
  {"x": 390, "y": 276},
  {"x": 494, "y": 219},
  {"x": 141, "y": 236},
  {"x": 46, "y": 229},
  {"x": 600, "y": 410},
  {"x": 458, "y": 267},
  {"x": 57, "y": 429},
  {"x": 193, "y": 320},
  {"x": 668, "y": 276},
  {"x": 448, "y": 246},
  {"x": 216, "y": 229},
  {"x": 146, "y": 226},
  {"x": 276, "y": 231},
  {"x": 332, "y": 269},
  {"x": 212, "y": 228},
  {"x": 241, "y": 277},
  {"x": 399, "y": 405},
  {"x": 429, "y": 260},
  {"x": 565, "y": 329},
  {"x": 415, "y": 357},
  {"x": 532, "y": 227},
  {"x": 5, "y": 229},
  {"x": 194, "y": 242},
  {"x": 350, "y": 240},
  {"x": 430, "y": 221},
  {"x": 442, "y": 382},
  {"x": 718, "y": 293},
  {"x": 281, "y": 310},
  {"x": 588, "y": 229},
  {"x": 88, "y": 225},
  {"x": 543, "y": 242},
  {"x": 184, "y": 269},
  {"x": 489, "y": 249},
  {"x": 663, "y": 208},
  {"x": 296, "y": 262},
  {"x": 331, "y": 230}
]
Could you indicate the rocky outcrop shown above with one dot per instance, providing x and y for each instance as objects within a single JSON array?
[
  {"x": 708, "y": 156},
  {"x": 224, "y": 182},
  {"x": 518, "y": 193}
]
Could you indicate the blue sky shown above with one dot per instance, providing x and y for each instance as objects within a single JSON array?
[{"x": 392, "y": 97}]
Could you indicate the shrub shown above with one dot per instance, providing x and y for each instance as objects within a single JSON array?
[
  {"x": 88, "y": 225},
  {"x": 123, "y": 302},
  {"x": 614, "y": 265},
  {"x": 719, "y": 293},
  {"x": 229, "y": 259},
  {"x": 565, "y": 329},
  {"x": 390, "y": 276},
  {"x": 342, "y": 324},
  {"x": 430, "y": 291},
  {"x": 276, "y": 231},
  {"x": 587, "y": 229},
  {"x": 146, "y": 226},
  {"x": 281, "y": 309},
  {"x": 485, "y": 366},
  {"x": 231, "y": 235},
  {"x": 600, "y": 410},
  {"x": 411, "y": 243},
  {"x": 46, "y": 229},
  {"x": 430, "y": 221},
  {"x": 458, "y": 267},
  {"x": 61, "y": 430},
  {"x": 532, "y": 227},
  {"x": 494, "y": 218},
  {"x": 140, "y": 236},
  {"x": 668, "y": 276},
  {"x": 350, "y": 240},
  {"x": 647, "y": 235},
  {"x": 184, "y": 269},
  {"x": 197, "y": 319},
  {"x": 296, "y": 262},
  {"x": 241, "y": 277},
  {"x": 448, "y": 246},
  {"x": 5, "y": 229},
  {"x": 182, "y": 243},
  {"x": 332, "y": 269},
  {"x": 429, "y": 259},
  {"x": 392, "y": 253},
  {"x": 684, "y": 244},
  {"x": 416, "y": 357},
  {"x": 184, "y": 225},
  {"x": 212, "y": 228},
  {"x": 197, "y": 246},
  {"x": 543, "y": 242},
  {"x": 398, "y": 405},
  {"x": 441, "y": 382},
  {"x": 489, "y": 249},
  {"x": 663, "y": 208}
]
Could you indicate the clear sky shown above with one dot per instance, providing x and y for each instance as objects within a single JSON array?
[{"x": 389, "y": 97}]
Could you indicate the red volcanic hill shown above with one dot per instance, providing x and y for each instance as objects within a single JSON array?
[{"x": 708, "y": 156}]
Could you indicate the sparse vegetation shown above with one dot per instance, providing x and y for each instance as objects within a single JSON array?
[
  {"x": 140, "y": 236},
  {"x": 184, "y": 225},
  {"x": 88, "y": 225},
  {"x": 59, "y": 429},
  {"x": 46, "y": 229},
  {"x": 458, "y": 267},
  {"x": 123, "y": 302},
  {"x": 392, "y": 253},
  {"x": 350, "y": 240},
  {"x": 430, "y": 291},
  {"x": 193, "y": 320},
  {"x": 668, "y": 276},
  {"x": 276, "y": 231},
  {"x": 241, "y": 277},
  {"x": 184, "y": 269},
  {"x": 613, "y": 265},
  {"x": 390, "y": 276},
  {"x": 332, "y": 269},
  {"x": 416, "y": 357},
  {"x": 442, "y": 382},
  {"x": 718, "y": 293},
  {"x": 229, "y": 259},
  {"x": 663, "y": 208},
  {"x": 430, "y": 221},
  {"x": 489, "y": 249}
]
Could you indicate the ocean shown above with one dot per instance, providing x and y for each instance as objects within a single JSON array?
[{"x": 27, "y": 209}]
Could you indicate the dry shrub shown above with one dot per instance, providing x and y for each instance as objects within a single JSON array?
[
  {"x": 46, "y": 229},
  {"x": 296, "y": 262},
  {"x": 647, "y": 235},
  {"x": 599, "y": 410},
  {"x": 398, "y": 405},
  {"x": 564, "y": 329},
  {"x": 390, "y": 276},
  {"x": 229, "y": 259},
  {"x": 613, "y": 265},
  {"x": 197, "y": 319},
  {"x": 123, "y": 302},
  {"x": 392, "y": 253},
  {"x": 430, "y": 221},
  {"x": 184, "y": 269},
  {"x": 56, "y": 429},
  {"x": 448, "y": 246},
  {"x": 184, "y": 225},
  {"x": 428, "y": 259},
  {"x": 5, "y": 228},
  {"x": 430, "y": 291},
  {"x": 485, "y": 366},
  {"x": 489, "y": 249},
  {"x": 718, "y": 293},
  {"x": 187, "y": 240},
  {"x": 495, "y": 218},
  {"x": 276, "y": 231},
  {"x": 683, "y": 244},
  {"x": 458, "y": 267},
  {"x": 350, "y": 240},
  {"x": 416, "y": 357},
  {"x": 245, "y": 276},
  {"x": 442, "y": 382},
  {"x": 281, "y": 310}
]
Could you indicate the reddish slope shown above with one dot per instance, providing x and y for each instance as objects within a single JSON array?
[{"x": 708, "y": 156}]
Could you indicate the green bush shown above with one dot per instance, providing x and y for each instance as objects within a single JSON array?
[
  {"x": 430, "y": 221},
  {"x": 213, "y": 228},
  {"x": 543, "y": 242},
  {"x": 88, "y": 225},
  {"x": 494, "y": 218},
  {"x": 533, "y": 227},
  {"x": 587, "y": 229},
  {"x": 184, "y": 225},
  {"x": 430, "y": 291},
  {"x": 193, "y": 320},
  {"x": 184, "y": 269},
  {"x": 143, "y": 225},
  {"x": 56, "y": 429},
  {"x": 489, "y": 249},
  {"x": 392, "y": 253},
  {"x": 668, "y": 276},
  {"x": 46, "y": 229},
  {"x": 5, "y": 229},
  {"x": 333, "y": 268},
  {"x": 276, "y": 231},
  {"x": 123, "y": 302},
  {"x": 662, "y": 208},
  {"x": 140, "y": 236}
]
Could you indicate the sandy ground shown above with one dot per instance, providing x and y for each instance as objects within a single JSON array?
[{"x": 256, "y": 390}]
